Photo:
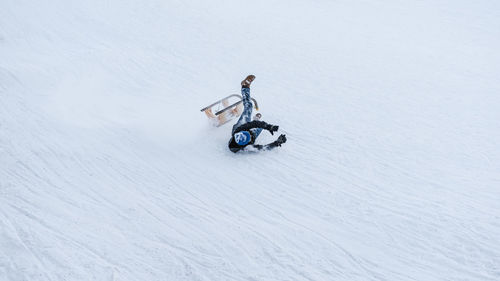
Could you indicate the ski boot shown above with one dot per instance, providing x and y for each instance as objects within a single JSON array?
[{"x": 246, "y": 83}]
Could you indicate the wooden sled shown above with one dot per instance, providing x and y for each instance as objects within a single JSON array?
[{"x": 226, "y": 109}]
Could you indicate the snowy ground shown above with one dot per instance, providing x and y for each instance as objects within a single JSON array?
[{"x": 108, "y": 171}]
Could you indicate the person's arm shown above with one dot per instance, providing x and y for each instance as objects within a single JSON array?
[
  {"x": 281, "y": 139},
  {"x": 256, "y": 124}
]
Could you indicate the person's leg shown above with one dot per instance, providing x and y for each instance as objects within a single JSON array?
[{"x": 246, "y": 116}]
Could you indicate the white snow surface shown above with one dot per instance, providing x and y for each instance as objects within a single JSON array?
[{"x": 109, "y": 171}]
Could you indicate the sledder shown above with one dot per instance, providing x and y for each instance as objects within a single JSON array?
[{"x": 246, "y": 131}]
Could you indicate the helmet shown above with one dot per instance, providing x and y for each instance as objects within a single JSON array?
[{"x": 242, "y": 138}]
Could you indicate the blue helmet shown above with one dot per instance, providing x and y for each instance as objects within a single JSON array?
[{"x": 242, "y": 138}]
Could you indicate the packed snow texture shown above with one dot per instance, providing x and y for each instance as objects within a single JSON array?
[{"x": 109, "y": 171}]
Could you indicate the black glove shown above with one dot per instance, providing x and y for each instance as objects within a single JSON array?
[
  {"x": 272, "y": 128},
  {"x": 281, "y": 139}
]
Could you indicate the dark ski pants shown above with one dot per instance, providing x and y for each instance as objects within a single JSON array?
[{"x": 246, "y": 116}]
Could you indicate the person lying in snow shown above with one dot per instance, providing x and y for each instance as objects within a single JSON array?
[{"x": 246, "y": 131}]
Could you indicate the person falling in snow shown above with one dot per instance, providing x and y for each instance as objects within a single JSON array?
[{"x": 246, "y": 131}]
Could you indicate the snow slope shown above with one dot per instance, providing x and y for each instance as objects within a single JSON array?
[{"x": 108, "y": 171}]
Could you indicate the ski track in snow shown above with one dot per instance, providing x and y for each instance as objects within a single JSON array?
[{"x": 108, "y": 171}]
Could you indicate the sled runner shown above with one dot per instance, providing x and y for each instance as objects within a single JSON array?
[{"x": 225, "y": 111}]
